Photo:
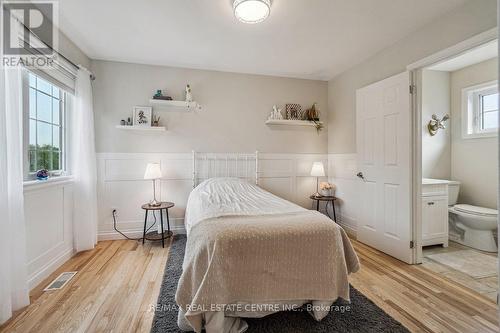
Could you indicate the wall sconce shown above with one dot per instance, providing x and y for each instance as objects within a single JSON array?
[{"x": 435, "y": 124}]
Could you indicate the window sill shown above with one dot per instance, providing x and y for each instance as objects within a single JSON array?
[
  {"x": 32, "y": 185},
  {"x": 483, "y": 135}
]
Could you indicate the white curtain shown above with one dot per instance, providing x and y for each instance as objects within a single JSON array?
[
  {"x": 83, "y": 165},
  {"x": 14, "y": 293}
]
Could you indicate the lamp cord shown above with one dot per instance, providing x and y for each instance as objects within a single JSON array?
[{"x": 121, "y": 233}]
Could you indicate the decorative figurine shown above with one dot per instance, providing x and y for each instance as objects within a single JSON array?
[
  {"x": 312, "y": 114},
  {"x": 156, "y": 121},
  {"x": 189, "y": 96},
  {"x": 435, "y": 124},
  {"x": 42, "y": 174},
  {"x": 275, "y": 114},
  {"x": 160, "y": 96}
]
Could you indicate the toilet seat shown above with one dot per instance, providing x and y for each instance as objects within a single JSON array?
[{"x": 475, "y": 210}]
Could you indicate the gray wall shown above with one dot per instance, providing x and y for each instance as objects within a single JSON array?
[
  {"x": 474, "y": 162},
  {"x": 235, "y": 108},
  {"x": 436, "y": 150},
  {"x": 472, "y": 18},
  {"x": 72, "y": 52}
]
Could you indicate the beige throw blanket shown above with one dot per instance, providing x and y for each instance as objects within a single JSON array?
[{"x": 258, "y": 259}]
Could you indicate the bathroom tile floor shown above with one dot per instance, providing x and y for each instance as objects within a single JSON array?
[{"x": 486, "y": 286}]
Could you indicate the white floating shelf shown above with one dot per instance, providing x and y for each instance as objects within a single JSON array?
[
  {"x": 290, "y": 122},
  {"x": 181, "y": 105},
  {"x": 142, "y": 128}
]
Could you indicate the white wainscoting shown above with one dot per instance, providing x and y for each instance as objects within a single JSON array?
[
  {"x": 121, "y": 185},
  {"x": 342, "y": 170},
  {"x": 48, "y": 210}
]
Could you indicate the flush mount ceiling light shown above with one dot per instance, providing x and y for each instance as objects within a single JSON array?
[{"x": 252, "y": 11}]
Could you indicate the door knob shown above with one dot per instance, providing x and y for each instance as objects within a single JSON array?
[{"x": 360, "y": 175}]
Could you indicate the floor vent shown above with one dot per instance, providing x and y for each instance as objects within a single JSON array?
[{"x": 60, "y": 281}]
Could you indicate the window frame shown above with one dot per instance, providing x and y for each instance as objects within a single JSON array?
[
  {"x": 471, "y": 110},
  {"x": 28, "y": 176}
]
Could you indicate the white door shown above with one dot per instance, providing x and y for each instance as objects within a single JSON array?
[{"x": 384, "y": 151}]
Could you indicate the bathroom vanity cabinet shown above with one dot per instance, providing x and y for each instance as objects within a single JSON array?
[{"x": 434, "y": 212}]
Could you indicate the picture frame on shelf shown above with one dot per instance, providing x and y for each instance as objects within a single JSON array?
[
  {"x": 142, "y": 116},
  {"x": 293, "y": 111}
]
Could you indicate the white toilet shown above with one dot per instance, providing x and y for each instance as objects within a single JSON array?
[{"x": 475, "y": 224}]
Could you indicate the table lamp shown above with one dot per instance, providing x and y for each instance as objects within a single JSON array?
[
  {"x": 153, "y": 172},
  {"x": 317, "y": 171}
]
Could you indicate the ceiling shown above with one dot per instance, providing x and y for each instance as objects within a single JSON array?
[
  {"x": 312, "y": 39},
  {"x": 471, "y": 57}
]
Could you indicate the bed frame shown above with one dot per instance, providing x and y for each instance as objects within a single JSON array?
[{"x": 240, "y": 165}]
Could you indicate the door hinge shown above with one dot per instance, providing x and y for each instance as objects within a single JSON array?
[
  {"x": 412, "y": 245},
  {"x": 413, "y": 88}
]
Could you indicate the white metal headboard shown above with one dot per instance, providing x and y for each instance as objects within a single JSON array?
[{"x": 239, "y": 165}]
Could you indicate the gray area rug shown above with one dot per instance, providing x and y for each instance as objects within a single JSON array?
[{"x": 364, "y": 315}]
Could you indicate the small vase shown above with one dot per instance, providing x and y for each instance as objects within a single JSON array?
[{"x": 325, "y": 193}]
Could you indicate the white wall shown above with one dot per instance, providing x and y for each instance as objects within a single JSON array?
[
  {"x": 436, "y": 150},
  {"x": 471, "y": 19},
  {"x": 474, "y": 162},
  {"x": 235, "y": 108},
  {"x": 342, "y": 169},
  {"x": 48, "y": 210},
  {"x": 121, "y": 185},
  {"x": 232, "y": 120}
]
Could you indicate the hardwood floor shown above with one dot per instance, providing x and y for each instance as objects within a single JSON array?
[
  {"x": 113, "y": 291},
  {"x": 420, "y": 299},
  {"x": 119, "y": 281}
]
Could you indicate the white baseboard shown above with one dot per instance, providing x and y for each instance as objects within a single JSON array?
[
  {"x": 132, "y": 233},
  {"x": 37, "y": 277},
  {"x": 349, "y": 225}
]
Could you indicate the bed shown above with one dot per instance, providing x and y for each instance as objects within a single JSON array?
[{"x": 250, "y": 253}]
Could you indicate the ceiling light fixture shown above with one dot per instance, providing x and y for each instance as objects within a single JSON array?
[{"x": 252, "y": 11}]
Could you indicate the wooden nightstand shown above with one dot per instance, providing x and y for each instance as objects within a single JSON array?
[
  {"x": 328, "y": 199},
  {"x": 164, "y": 206}
]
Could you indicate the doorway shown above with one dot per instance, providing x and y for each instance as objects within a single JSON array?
[{"x": 456, "y": 209}]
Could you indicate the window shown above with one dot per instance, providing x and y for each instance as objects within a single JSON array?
[
  {"x": 480, "y": 112},
  {"x": 44, "y": 126}
]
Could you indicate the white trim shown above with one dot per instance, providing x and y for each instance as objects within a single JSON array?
[
  {"x": 38, "y": 277},
  {"x": 416, "y": 164},
  {"x": 134, "y": 233},
  {"x": 350, "y": 228},
  {"x": 33, "y": 185},
  {"x": 456, "y": 50},
  {"x": 469, "y": 93}
]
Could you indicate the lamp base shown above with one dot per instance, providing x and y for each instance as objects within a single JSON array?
[{"x": 154, "y": 203}]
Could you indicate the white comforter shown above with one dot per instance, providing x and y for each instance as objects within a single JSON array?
[{"x": 217, "y": 197}]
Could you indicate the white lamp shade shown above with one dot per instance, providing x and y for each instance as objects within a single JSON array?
[
  {"x": 317, "y": 170},
  {"x": 251, "y": 11},
  {"x": 153, "y": 171}
]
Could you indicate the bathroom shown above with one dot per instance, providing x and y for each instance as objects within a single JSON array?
[{"x": 459, "y": 169}]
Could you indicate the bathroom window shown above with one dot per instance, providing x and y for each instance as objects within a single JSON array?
[
  {"x": 480, "y": 114},
  {"x": 44, "y": 129}
]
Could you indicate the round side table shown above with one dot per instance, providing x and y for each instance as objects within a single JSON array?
[
  {"x": 164, "y": 206},
  {"x": 329, "y": 200}
]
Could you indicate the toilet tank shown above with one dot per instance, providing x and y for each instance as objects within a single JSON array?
[{"x": 453, "y": 190}]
